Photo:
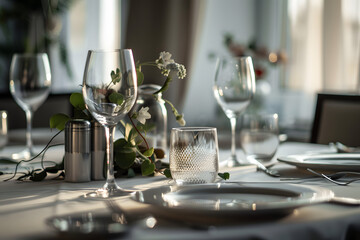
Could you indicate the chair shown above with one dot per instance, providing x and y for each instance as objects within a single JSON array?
[
  {"x": 55, "y": 103},
  {"x": 337, "y": 119}
]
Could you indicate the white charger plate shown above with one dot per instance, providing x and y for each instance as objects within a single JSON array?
[
  {"x": 232, "y": 200},
  {"x": 335, "y": 161}
]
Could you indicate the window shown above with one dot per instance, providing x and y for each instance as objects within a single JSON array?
[
  {"x": 87, "y": 25},
  {"x": 321, "y": 39}
]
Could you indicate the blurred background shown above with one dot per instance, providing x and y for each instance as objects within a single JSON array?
[{"x": 299, "y": 48}]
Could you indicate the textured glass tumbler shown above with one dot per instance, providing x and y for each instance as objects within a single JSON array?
[{"x": 194, "y": 155}]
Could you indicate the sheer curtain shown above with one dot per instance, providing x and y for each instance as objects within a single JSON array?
[
  {"x": 214, "y": 20},
  {"x": 323, "y": 51},
  {"x": 162, "y": 25},
  {"x": 89, "y": 24},
  {"x": 325, "y": 45},
  {"x": 305, "y": 65}
]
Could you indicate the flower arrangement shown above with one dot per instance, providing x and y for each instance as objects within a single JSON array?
[
  {"x": 166, "y": 65},
  {"x": 129, "y": 153},
  {"x": 262, "y": 57},
  {"x": 132, "y": 152}
]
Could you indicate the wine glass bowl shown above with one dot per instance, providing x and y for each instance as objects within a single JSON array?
[
  {"x": 30, "y": 82},
  {"x": 110, "y": 91},
  {"x": 234, "y": 88}
]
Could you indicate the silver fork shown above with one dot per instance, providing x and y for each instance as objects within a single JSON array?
[
  {"x": 333, "y": 176},
  {"x": 341, "y": 183}
]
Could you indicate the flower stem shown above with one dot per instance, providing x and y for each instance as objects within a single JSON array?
[
  {"x": 164, "y": 87},
  {"x": 44, "y": 150},
  {"x": 175, "y": 112},
  {"x": 137, "y": 130}
]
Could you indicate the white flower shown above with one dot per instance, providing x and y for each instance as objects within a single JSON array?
[
  {"x": 166, "y": 65},
  {"x": 180, "y": 119},
  {"x": 165, "y": 58},
  {"x": 163, "y": 61},
  {"x": 143, "y": 114},
  {"x": 181, "y": 71}
]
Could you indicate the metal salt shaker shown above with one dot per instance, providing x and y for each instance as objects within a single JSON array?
[
  {"x": 77, "y": 162},
  {"x": 98, "y": 151}
]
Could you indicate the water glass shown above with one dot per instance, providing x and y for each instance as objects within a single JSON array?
[
  {"x": 259, "y": 136},
  {"x": 194, "y": 155}
]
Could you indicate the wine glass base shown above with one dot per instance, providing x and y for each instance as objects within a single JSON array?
[
  {"x": 233, "y": 161},
  {"x": 26, "y": 154},
  {"x": 108, "y": 192}
]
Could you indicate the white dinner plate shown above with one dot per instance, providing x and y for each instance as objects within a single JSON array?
[
  {"x": 231, "y": 200},
  {"x": 335, "y": 161}
]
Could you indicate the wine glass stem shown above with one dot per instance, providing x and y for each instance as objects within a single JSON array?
[
  {"x": 29, "y": 142},
  {"x": 109, "y": 133},
  {"x": 233, "y": 143}
]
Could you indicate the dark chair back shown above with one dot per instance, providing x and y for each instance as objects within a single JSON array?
[
  {"x": 55, "y": 103},
  {"x": 337, "y": 119}
]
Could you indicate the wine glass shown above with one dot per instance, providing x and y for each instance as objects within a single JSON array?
[
  {"x": 234, "y": 88},
  {"x": 109, "y": 90},
  {"x": 30, "y": 82}
]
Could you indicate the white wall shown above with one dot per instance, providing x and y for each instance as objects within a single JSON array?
[
  {"x": 221, "y": 17},
  {"x": 89, "y": 24}
]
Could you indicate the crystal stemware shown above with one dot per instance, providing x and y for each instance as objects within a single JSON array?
[
  {"x": 110, "y": 91},
  {"x": 30, "y": 82},
  {"x": 234, "y": 88}
]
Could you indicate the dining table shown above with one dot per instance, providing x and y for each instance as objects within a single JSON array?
[{"x": 56, "y": 209}]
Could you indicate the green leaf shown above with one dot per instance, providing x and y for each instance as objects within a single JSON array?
[
  {"x": 152, "y": 158},
  {"x": 149, "y": 152},
  {"x": 37, "y": 177},
  {"x": 130, "y": 134},
  {"x": 58, "y": 121},
  {"x": 82, "y": 114},
  {"x": 224, "y": 175},
  {"x": 120, "y": 143},
  {"x": 128, "y": 128},
  {"x": 140, "y": 77},
  {"x": 115, "y": 77},
  {"x": 124, "y": 157},
  {"x": 116, "y": 98},
  {"x": 131, "y": 173},
  {"x": 147, "y": 168},
  {"x": 167, "y": 173},
  {"x": 147, "y": 127},
  {"x": 139, "y": 141},
  {"x": 77, "y": 100}
]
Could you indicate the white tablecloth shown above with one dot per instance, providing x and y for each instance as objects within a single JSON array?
[{"x": 25, "y": 207}]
